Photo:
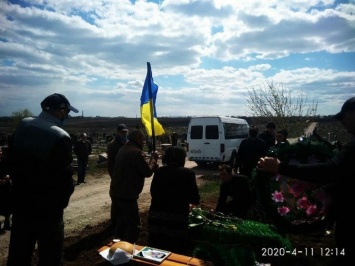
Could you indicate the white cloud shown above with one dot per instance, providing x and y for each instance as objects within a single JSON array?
[{"x": 204, "y": 54}]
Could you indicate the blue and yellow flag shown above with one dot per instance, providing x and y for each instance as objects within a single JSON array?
[{"x": 148, "y": 112}]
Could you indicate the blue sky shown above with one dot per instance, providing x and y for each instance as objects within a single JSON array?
[{"x": 205, "y": 55}]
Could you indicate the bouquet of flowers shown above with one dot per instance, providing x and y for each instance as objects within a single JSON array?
[
  {"x": 299, "y": 201},
  {"x": 294, "y": 205}
]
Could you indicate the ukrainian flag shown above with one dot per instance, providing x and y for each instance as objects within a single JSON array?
[{"x": 148, "y": 112}]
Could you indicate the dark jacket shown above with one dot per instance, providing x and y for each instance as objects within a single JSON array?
[
  {"x": 112, "y": 148},
  {"x": 268, "y": 138},
  {"x": 129, "y": 174},
  {"x": 235, "y": 196},
  {"x": 42, "y": 172},
  {"x": 173, "y": 189},
  {"x": 82, "y": 149},
  {"x": 249, "y": 153}
]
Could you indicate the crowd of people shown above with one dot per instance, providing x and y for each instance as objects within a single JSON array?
[{"x": 40, "y": 174}]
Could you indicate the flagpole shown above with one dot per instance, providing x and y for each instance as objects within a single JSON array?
[{"x": 151, "y": 105}]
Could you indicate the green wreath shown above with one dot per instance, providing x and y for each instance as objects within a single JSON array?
[
  {"x": 230, "y": 241},
  {"x": 292, "y": 205}
]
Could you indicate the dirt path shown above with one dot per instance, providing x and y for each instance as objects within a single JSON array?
[
  {"x": 308, "y": 131},
  {"x": 90, "y": 204}
]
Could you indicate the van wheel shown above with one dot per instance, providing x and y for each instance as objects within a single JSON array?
[{"x": 233, "y": 160}]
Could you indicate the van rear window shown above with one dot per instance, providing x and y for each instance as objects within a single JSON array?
[
  {"x": 212, "y": 132},
  {"x": 196, "y": 132}
]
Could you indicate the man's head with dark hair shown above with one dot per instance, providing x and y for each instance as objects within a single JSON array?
[
  {"x": 281, "y": 135},
  {"x": 284, "y": 132},
  {"x": 271, "y": 125},
  {"x": 253, "y": 131},
  {"x": 225, "y": 172},
  {"x": 348, "y": 106},
  {"x": 174, "y": 156}
]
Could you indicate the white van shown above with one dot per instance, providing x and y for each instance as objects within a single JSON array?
[{"x": 215, "y": 139}]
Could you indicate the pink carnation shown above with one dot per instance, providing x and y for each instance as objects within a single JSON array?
[
  {"x": 277, "y": 196},
  {"x": 283, "y": 211},
  {"x": 303, "y": 203},
  {"x": 311, "y": 210}
]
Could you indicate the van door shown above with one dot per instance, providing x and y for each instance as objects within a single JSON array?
[
  {"x": 204, "y": 140},
  {"x": 211, "y": 139}
]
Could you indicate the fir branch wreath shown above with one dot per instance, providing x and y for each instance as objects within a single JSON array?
[{"x": 231, "y": 241}]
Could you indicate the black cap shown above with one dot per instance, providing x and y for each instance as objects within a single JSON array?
[
  {"x": 271, "y": 125},
  {"x": 349, "y": 105},
  {"x": 57, "y": 101},
  {"x": 122, "y": 127}
]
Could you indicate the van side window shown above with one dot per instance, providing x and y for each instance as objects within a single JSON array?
[
  {"x": 212, "y": 132},
  {"x": 196, "y": 132},
  {"x": 235, "y": 131}
]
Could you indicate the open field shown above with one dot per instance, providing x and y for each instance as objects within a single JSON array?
[{"x": 99, "y": 128}]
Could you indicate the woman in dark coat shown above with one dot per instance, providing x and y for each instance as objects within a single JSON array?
[{"x": 174, "y": 190}]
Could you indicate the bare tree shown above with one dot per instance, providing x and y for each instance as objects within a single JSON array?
[
  {"x": 273, "y": 101},
  {"x": 20, "y": 114}
]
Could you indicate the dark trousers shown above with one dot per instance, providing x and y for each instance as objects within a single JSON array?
[
  {"x": 45, "y": 230},
  {"x": 82, "y": 165},
  {"x": 127, "y": 220}
]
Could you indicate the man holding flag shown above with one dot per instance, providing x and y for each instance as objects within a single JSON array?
[{"x": 148, "y": 111}]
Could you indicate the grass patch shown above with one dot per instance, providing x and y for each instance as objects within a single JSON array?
[{"x": 209, "y": 191}]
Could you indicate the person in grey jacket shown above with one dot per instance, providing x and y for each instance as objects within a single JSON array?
[
  {"x": 127, "y": 182},
  {"x": 42, "y": 183}
]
